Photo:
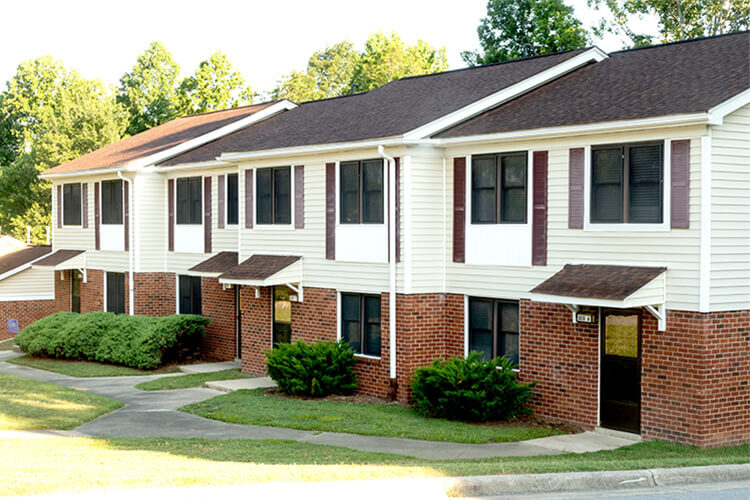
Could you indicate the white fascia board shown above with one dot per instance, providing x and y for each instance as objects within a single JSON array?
[
  {"x": 592, "y": 55},
  {"x": 584, "y": 301},
  {"x": 195, "y": 165},
  {"x": 717, "y": 113},
  {"x": 82, "y": 173},
  {"x": 307, "y": 150},
  {"x": 22, "y": 267},
  {"x": 200, "y": 274},
  {"x": 24, "y": 298}
]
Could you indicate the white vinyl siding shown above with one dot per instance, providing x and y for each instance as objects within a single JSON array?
[{"x": 31, "y": 284}]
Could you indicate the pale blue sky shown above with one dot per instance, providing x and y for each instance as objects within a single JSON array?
[{"x": 265, "y": 40}]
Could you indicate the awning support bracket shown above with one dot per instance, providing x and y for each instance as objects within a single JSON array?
[
  {"x": 299, "y": 290},
  {"x": 660, "y": 313},
  {"x": 573, "y": 308}
]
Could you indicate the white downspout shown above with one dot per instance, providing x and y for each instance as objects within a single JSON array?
[
  {"x": 131, "y": 231},
  {"x": 392, "y": 260}
]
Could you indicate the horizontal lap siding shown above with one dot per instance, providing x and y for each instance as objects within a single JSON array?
[
  {"x": 425, "y": 230},
  {"x": 730, "y": 213},
  {"x": 151, "y": 222},
  {"x": 27, "y": 282},
  {"x": 224, "y": 239}
]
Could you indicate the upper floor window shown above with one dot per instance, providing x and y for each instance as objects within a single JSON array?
[
  {"x": 360, "y": 322},
  {"x": 361, "y": 187},
  {"x": 274, "y": 205},
  {"x": 112, "y": 202},
  {"x": 71, "y": 204},
  {"x": 494, "y": 328},
  {"x": 233, "y": 206},
  {"x": 626, "y": 183},
  {"x": 189, "y": 200},
  {"x": 498, "y": 188}
]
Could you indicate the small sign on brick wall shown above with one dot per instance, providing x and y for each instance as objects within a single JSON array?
[
  {"x": 13, "y": 326},
  {"x": 585, "y": 318}
]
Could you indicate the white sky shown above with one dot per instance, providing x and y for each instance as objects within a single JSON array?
[{"x": 263, "y": 39}]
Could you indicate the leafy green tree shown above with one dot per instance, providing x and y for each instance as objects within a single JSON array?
[
  {"x": 678, "y": 19},
  {"x": 215, "y": 85},
  {"x": 48, "y": 115},
  {"x": 148, "y": 92},
  {"x": 523, "y": 28}
]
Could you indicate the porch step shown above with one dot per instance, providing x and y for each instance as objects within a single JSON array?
[
  {"x": 636, "y": 438},
  {"x": 241, "y": 383},
  {"x": 210, "y": 367}
]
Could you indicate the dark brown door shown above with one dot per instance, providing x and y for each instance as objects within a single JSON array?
[
  {"x": 75, "y": 291},
  {"x": 621, "y": 371},
  {"x": 282, "y": 316}
]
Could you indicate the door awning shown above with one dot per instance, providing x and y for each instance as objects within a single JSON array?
[
  {"x": 267, "y": 270},
  {"x": 62, "y": 260},
  {"x": 216, "y": 265},
  {"x": 620, "y": 287}
]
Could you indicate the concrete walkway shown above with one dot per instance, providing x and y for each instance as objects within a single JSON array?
[{"x": 154, "y": 414}]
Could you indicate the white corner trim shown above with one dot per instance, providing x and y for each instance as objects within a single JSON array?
[
  {"x": 466, "y": 326},
  {"x": 717, "y": 113},
  {"x": 704, "y": 301},
  {"x": 592, "y": 55}
]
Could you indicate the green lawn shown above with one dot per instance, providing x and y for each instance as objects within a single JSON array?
[
  {"x": 28, "y": 404},
  {"x": 192, "y": 380},
  {"x": 84, "y": 368},
  {"x": 44, "y": 465},
  {"x": 7, "y": 344},
  {"x": 256, "y": 407}
]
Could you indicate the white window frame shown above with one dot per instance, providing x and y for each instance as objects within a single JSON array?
[
  {"x": 188, "y": 232},
  {"x": 62, "y": 205},
  {"x": 338, "y": 322},
  {"x": 226, "y": 200},
  {"x": 467, "y": 331},
  {"x": 272, "y": 226}
]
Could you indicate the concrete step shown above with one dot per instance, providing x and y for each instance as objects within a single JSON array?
[
  {"x": 241, "y": 383},
  {"x": 210, "y": 367}
]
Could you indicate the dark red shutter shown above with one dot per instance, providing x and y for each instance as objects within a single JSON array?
[
  {"x": 207, "y": 215},
  {"x": 539, "y": 222},
  {"x": 330, "y": 211},
  {"x": 398, "y": 209},
  {"x": 299, "y": 197},
  {"x": 575, "y": 188},
  {"x": 680, "y": 194},
  {"x": 248, "y": 199},
  {"x": 59, "y": 206},
  {"x": 170, "y": 211},
  {"x": 459, "y": 209},
  {"x": 85, "y": 203},
  {"x": 220, "y": 215},
  {"x": 126, "y": 213},
  {"x": 97, "y": 218}
]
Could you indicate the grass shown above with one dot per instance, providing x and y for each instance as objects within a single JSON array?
[
  {"x": 28, "y": 404},
  {"x": 7, "y": 344},
  {"x": 44, "y": 465},
  {"x": 84, "y": 368},
  {"x": 257, "y": 407},
  {"x": 192, "y": 380}
]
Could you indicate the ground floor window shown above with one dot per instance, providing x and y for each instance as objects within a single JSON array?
[
  {"x": 189, "y": 297},
  {"x": 115, "y": 283},
  {"x": 494, "y": 328},
  {"x": 360, "y": 322}
]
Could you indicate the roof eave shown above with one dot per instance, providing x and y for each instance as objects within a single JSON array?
[{"x": 312, "y": 149}]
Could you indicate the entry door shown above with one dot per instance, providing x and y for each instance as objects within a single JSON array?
[
  {"x": 282, "y": 316},
  {"x": 75, "y": 291},
  {"x": 621, "y": 371}
]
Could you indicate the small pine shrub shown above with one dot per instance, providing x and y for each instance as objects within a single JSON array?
[
  {"x": 470, "y": 389},
  {"x": 315, "y": 370}
]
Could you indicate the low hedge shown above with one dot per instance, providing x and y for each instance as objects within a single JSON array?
[{"x": 137, "y": 341}]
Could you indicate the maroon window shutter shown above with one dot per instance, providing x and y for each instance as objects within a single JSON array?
[
  {"x": 330, "y": 211},
  {"x": 97, "y": 218},
  {"x": 299, "y": 197},
  {"x": 126, "y": 213},
  {"x": 575, "y": 188},
  {"x": 59, "y": 206},
  {"x": 398, "y": 209},
  {"x": 170, "y": 211},
  {"x": 220, "y": 215},
  {"x": 207, "y": 215},
  {"x": 680, "y": 194},
  {"x": 85, "y": 202},
  {"x": 539, "y": 223},
  {"x": 248, "y": 199},
  {"x": 459, "y": 209}
]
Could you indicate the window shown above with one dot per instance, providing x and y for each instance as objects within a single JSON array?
[
  {"x": 494, "y": 328},
  {"x": 274, "y": 200},
  {"x": 361, "y": 187},
  {"x": 71, "y": 204},
  {"x": 360, "y": 322},
  {"x": 498, "y": 188},
  {"x": 116, "y": 293},
  {"x": 626, "y": 183},
  {"x": 189, "y": 200},
  {"x": 233, "y": 206},
  {"x": 189, "y": 295},
  {"x": 112, "y": 202}
]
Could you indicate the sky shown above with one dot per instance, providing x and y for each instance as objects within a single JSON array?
[{"x": 263, "y": 39}]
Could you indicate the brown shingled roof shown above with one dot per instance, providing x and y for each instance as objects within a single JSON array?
[
  {"x": 157, "y": 139},
  {"x": 219, "y": 263},
  {"x": 14, "y": 260},
  {"x": 592, "y": 281},
  {"x": 260, "y": 267},
  {"x": 58, "y": 257}
]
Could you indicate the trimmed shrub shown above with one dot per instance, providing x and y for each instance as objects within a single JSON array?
[
  {"x": 315, "y": 370},
  {"x": 470, "y": 389},
  {"x": 138, "y": 341}
]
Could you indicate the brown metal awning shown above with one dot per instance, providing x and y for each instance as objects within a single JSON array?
[
  {"x": 18, "y": 260},
  {"x": 62, "y": 260},
  {"x": 267, "y": 270},
  {"x": 216, "y": 265}
]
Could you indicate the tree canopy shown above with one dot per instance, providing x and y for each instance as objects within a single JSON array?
[
  {"x": 215, "y": 85},
  {"x": 523, "y": 28}
]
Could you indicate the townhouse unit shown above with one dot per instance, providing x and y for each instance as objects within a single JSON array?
[{"x": 585, "y": 214}]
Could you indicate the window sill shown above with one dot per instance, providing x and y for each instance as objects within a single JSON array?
[{"x": 367, "y": 357}]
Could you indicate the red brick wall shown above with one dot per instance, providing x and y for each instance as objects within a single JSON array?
[
  {"x": 256, "y": 329},
  {"x": 25, "y": 311},
  {"x": 155, "y": 294},
  {"x": 217, "y": 305},
  {"x": 92, "y": 292}
]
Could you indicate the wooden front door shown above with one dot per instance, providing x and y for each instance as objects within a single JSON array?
[{"x": 621, "y": 371}]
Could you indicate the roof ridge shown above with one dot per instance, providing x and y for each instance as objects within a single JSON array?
[{"x": 680, "y": 42}]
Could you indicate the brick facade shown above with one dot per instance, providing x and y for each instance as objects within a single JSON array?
[
  {"x": 218, "y": 305},
  {"x": 92, "y": 292},
  {"x": 155, "y": 293}
]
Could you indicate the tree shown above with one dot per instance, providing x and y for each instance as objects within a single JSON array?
[
  {"x": 678, "y": 19},
  {"x": 148, "y": 92},
  {"x": 215, "y": 85},
  {"x": 48, "y": 115},
  {"x": 525, "y": 28}
]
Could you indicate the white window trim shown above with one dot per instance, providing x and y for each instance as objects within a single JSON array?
[
  {"x": 203, "y": 199},
  {"x": 467, "y": 331},
  {"x": 623, "y": 227},
  {"x": 338, "y": 323},
  {"x": 272, "y": 226},
  {"x": 338, "y": 196},
  {"x": 226, "y": 200},
  {"x": 62, "y": 205},
  {"x": 101, "y": 198}
]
